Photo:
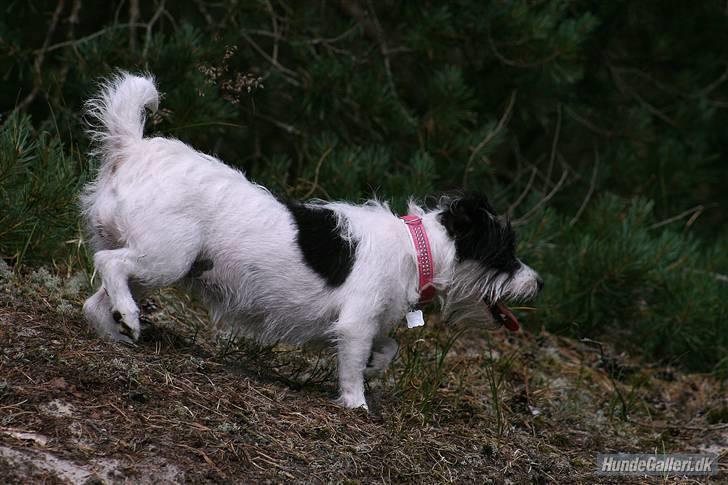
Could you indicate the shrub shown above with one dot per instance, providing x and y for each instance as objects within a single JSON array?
[{"x": 39, "y": 185}]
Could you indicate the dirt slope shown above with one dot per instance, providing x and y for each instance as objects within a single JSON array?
[{"x": 186, "y": 407}]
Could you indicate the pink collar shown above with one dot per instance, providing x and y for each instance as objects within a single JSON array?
[{"x": 425, "y": 266}]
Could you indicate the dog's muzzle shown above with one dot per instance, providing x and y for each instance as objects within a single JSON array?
[{"x": 504, "y": 315}]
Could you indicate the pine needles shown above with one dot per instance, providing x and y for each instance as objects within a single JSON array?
[{"x": 39, "y": 185}]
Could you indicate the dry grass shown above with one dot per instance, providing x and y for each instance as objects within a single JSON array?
[{"x": 459, "y": 405}]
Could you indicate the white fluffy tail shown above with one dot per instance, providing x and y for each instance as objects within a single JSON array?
[{"x": 117, "y": 114}]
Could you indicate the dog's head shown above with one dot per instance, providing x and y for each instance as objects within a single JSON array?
[{"x": 487, "y": 269}]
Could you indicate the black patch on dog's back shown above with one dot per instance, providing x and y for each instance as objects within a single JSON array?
[
  {"x": 323, "y": 247},
  {"x": 199, "y": 267}
]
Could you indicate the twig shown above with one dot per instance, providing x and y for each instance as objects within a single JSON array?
[
  {"x": 316, "y": 41},
  {"x": 119, "y": 411},
  {"x": 150, "y": 24},
  {"x": 698, "y": 209},
  {"x": 523, "y": 194},
  {"x": 355, "y": 11},
  {"x": 203, "y": 10},
  {"x": 383, "y": 49},
  {"x": 51, "y": 30},
  {"x": 532, "y": 210},
  {"x": 333, "y": 40},
  {"x": 521, "y": 65},
  {"x": 171, "y": 19},
  {"x": 592, "y": 185},
  {"x": 206, "y": 458},
  {"x": 491, "y": 135},
  {"x": 40, "y": 57},
  {"x": 712, "y": 86},
  {"x": 718, "y": 277},
  {"x": 369, "y": 21},
  {"x": 289, "y": 75},
  {"x": 18, "y": 404},
  {"x": 206, "y": 123},
  {"x": 604, "y": 359},
  {"x": 592, "y": 127},
  {"x": 81, "y": 40},
  {"x": 652, "y": 109},
  {"x": 554, "y": 144},
  {"x": 117, "y": 11},
  {"x": 285, "y": 127},
  {"x": 316, "y": 173},
  {"x": 72, "y": 22},
  {"x": 277, "y": 36},
  {"x": 133, "y": 19},
  {"x": 705, "y": 428}
]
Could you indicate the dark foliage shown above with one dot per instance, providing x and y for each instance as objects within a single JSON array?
[{"x": 598, "y": 127}]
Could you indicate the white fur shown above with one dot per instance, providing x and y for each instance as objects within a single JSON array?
[{"x": 158, "y": 205}]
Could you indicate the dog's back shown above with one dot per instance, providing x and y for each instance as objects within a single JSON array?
[{"x": 160, "y": 213}]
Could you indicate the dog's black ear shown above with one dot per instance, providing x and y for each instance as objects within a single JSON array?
[
  {"x": 457, "y": 217},
  {"x": 461, "y": 214},
  {"x": 479, "y": 234}
]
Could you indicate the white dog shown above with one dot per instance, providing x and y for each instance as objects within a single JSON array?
[{"x": 161, "y": 213}]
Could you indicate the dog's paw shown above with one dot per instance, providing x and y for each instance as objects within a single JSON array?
[
  {"x": 352, "y": 402},
  {"x": 101, "y": 320},
  {"x": 128, "y": 323}
]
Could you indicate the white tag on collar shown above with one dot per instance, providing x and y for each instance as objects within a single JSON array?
[{"x": 415, "y": 319}]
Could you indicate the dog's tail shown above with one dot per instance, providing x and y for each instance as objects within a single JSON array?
[{"x": 116, "y": 116}]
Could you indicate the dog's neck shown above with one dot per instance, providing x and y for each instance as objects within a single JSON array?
[{"x": 442, "y": 246}]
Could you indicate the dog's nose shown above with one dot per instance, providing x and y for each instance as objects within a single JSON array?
[{"x": 539, "y": 283}]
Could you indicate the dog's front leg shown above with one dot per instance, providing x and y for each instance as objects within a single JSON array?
[{"x": 354, "y": 343}]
